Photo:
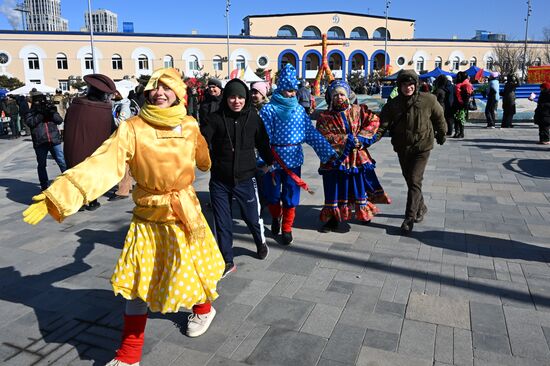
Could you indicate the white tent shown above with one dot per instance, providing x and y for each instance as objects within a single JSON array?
[
  {"x": 250, "y": 76},
  {"x": 125, "y": 86},
  {"x": 25, "y": 90}
]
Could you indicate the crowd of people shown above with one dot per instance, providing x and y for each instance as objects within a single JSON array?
[{"x": 250, "y": 138}]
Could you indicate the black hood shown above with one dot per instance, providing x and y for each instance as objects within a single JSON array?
[{"x": 223, "y": 103}]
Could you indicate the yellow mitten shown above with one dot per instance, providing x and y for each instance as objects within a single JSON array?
[{"x": 37, "y": 211}]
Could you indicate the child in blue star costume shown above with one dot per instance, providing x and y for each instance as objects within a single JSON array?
[{"x": 288, "y": 126}]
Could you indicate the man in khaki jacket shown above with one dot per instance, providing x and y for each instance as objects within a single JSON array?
[{"x": 413, "y": 119}]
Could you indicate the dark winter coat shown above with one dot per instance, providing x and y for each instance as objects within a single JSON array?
[
  {"x": 542, "y": 112},
  {"x": 43, "y": 125},
  {"x": 88, "y": 123},
  {"x": 413, "y": 122},
  {"x": 210, "y": 105},
  {"x": 509, "y": 97},
  {"x": 232, "y": 139}
]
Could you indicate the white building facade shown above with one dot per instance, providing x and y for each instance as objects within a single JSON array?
[
  {"x": 44, "y": 16},
  {"x": 103, "y": 20}
]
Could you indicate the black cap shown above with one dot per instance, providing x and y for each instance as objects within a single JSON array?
[
  {"x": 235, "y": 88},
  {"x": 216, "y": 82},
  {"x": 101, "y": 82}
]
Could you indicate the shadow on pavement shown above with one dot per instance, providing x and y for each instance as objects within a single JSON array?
[
  {"x": 19, "y": 191},
  {"x": 88, "y": 320},
  {"x": 532, "y": 168},
  {"x": 475, "y": 244},
  {"x": 383, "y": 263}
]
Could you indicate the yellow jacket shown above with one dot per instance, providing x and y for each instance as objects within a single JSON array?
[{"x": 162, "y": 162}]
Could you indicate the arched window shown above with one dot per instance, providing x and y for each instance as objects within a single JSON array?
[
  {"x": 456, "y": 63},
  {"x": 311, "y": 32},
  {"x": 62, "y": 63},
  {"x": 420, "y": 64},
  {"x": 116, "y": 60},
  {"x": 34, "y": 63},
  {"x": 336, "y": 33},
  {"x": 168, "y": 61},
  {"x": 218, "y": 63},
  {"x": 380, "y": 33},
  {"x": 438, "y": 62},
  {"x": 240, "y": 62},
  {"x": 287, "y": 31},
  {"x": 359, "y": 33},
  {"x": 143, "y": 62},
  {"x": 193, "y": 63},
  {"x": 473, "y": 61},
  {"x": 489, "y": 63},
  {"x": 537, "y": 62},
  {"x": 88, "y": 61}
]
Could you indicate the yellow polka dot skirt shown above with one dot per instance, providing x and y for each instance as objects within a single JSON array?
[{"x": 162, "y": 267}]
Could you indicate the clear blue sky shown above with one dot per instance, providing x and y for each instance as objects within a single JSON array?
[{"x": 207, "y": 17}]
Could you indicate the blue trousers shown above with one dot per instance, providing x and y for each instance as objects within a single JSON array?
[
  {"x": 221, "y": 198},
  {"x": 279, "y": 186},
  {"x": 42, "y": 156}
]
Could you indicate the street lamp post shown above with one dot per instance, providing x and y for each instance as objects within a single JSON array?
[
  {"x": 388, "y": 2},
  {"x": 525, "y": 44},
  {"x": 227, "y": 5},
  {"x": 91, "y": 35}
]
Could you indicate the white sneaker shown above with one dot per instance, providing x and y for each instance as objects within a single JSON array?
[
  {"x": 198, "y": 323},
  {"x": 115, "y": 362}
]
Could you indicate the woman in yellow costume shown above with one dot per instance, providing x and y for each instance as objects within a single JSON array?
[{"x": 170, "y": 258}]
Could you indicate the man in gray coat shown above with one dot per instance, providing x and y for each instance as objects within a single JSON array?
[{"x": 413, "y": 119}]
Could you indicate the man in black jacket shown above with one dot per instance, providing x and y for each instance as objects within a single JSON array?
[
  {"x": 414, "y": 119},
  {"x": 233, "y": 133},
  {"x": 212, "y": 100},
  {"x": 43, "y": 119}
]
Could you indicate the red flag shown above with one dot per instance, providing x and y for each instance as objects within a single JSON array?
[{"x": 479, "y": 74}]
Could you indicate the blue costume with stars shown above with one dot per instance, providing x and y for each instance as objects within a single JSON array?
[{"x": 289, "y": 126}]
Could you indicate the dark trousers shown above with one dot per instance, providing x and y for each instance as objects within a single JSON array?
[
  {"x": 412, "y": 167},
  {"x": 544, "y": 133},
  {"x": 42, "y": 156},
  {"x": 507, "y": 117},
  {"x": 450, "y": 124},
  {"x": 490, "y": 113},
  {"x": 221, "y": 198}
]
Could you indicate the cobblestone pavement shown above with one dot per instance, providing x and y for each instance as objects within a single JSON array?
[{"x": 470, "y": 285}]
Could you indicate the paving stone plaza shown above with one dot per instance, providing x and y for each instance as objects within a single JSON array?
[{"x": 470, "y": 285}]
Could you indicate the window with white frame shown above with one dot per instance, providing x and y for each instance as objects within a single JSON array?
[
  {"x": 419, "y": 64},
  {"x": 88, "y": 61},
  {"x": 456, "y": 63},
  {"x": 438, "y": 62},
  {"x": 240, "y": 62},
  {"x": 193, "y": 63},
  {"x": 473, "y": 61},
  {"x": 217, "y": 63},
  {"x": 62, "y": 63},
  {"x": 168, "y": 61},
  {"x": 537, "y": 62},
  {"x": 117, "y": 62},
  {"x": 64, "y": 85},
  {"x": 143, "y": 62},
  {"x": 34, "y": 62}
]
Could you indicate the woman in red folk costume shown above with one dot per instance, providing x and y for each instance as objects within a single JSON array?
[{"x": 350, "y": 181}]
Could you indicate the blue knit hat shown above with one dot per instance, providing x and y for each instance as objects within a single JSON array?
[
  {"x": 287, "y": 79},
  {"x": 339, "y": 84}
]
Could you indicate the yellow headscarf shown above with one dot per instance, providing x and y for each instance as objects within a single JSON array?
[{"x": 166, "y": 117}]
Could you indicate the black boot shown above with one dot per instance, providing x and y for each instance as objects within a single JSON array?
[
  {"x": 457, "y": 130},
  {"x": 461, "y": 134},
  {"x": 287, "y": 238},
  {"x": 407, "y": 226}
]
